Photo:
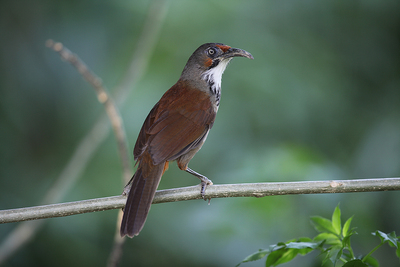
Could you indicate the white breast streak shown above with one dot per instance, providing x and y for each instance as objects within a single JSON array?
[{"x": 213, "y": 77}]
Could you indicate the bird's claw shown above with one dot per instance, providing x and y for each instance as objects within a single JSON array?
[{"x": 204, "y": 184}]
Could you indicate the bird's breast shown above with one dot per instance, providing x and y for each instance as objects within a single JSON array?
[{"x": 186, "y": 98}]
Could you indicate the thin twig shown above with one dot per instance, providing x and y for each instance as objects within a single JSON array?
[
  {"x": 88, "y": 144},
  {"x": 74, "y": 168},
  {"x": 104, "y": 98},
  {"x": 144, "y": 47},
  {"x": 213, "y": 191}
]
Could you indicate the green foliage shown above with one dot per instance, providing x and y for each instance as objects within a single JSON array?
[
  {"x": 284, "y": 252},
  {"x": 333, "y": 241}
]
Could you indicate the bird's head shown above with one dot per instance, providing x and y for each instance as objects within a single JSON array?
[{"x": 208, "y": 63}]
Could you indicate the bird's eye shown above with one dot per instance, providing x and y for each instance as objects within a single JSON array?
[{"x": 211, "y": 51}]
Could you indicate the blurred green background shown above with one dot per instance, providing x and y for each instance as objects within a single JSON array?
[{"x": 320, "y": 101}]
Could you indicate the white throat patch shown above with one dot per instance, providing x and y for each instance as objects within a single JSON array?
[{"x": 213, "y": 77}]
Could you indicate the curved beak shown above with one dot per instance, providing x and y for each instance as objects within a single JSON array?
[{"x": 236, "y": 52}]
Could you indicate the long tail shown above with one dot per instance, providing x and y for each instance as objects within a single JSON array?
[{"x": 144, "y": 185}]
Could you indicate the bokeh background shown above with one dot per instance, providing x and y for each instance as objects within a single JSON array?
[{"x": 320, "y": 101}]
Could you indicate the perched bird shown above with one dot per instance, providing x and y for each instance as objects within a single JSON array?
[{"x": 176, "y": 129}]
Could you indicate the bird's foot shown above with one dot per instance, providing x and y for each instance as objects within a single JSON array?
[{"x": 204, "y": 181}]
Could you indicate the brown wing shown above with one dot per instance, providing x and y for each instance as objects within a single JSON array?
[
  {"x": 176, "y": 124},
  {"x": 141, "y": 142}
]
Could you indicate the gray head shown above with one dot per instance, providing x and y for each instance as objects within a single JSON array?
[{"x": 211, "y": 58}]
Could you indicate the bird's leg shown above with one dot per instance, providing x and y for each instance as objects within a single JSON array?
[{"x": 204, "y": 181}]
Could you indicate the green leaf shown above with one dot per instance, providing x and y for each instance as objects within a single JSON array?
[
  {"x": 355, "y": 263},
  {"x": 346, "y": 240},
  {"x": 371, "y": 261},
  {"x": 326, "y": 256},
  {"x": 322, "y": 225},
  {"x": 285, "y": 252},
  {"x": 346, "y": 256},
  {"x": 391, "y": 238},
  {"x": 303, "y": 247},
  {"x": 331, "y": 239},
  {"x": 255, "y": 256},
  {"x": 346, "y": 227},
  {"x": 336, "y": 221},
  {"x": 398, "y": 250},
  {"x": 303, "y": 239},
  {"x": 334, "y": 254},
  {"x": 280, "y": 256},
  {"x": 273, "y": 257}
]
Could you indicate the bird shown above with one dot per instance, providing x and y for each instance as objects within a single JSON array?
[{"x": 175, "y": 130}]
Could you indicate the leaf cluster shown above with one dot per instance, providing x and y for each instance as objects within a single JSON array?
[{"x": 333, "y": 241}]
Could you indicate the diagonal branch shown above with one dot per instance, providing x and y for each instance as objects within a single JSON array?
[
  {"x": 146, "y": 43},
  {"x": 213, "y": 191},
  {"x": 84, "y": 151},
  {"x": 104, "y": 98}
]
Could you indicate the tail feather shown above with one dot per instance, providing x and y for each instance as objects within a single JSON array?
[{"x": 144, "y": 185}]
